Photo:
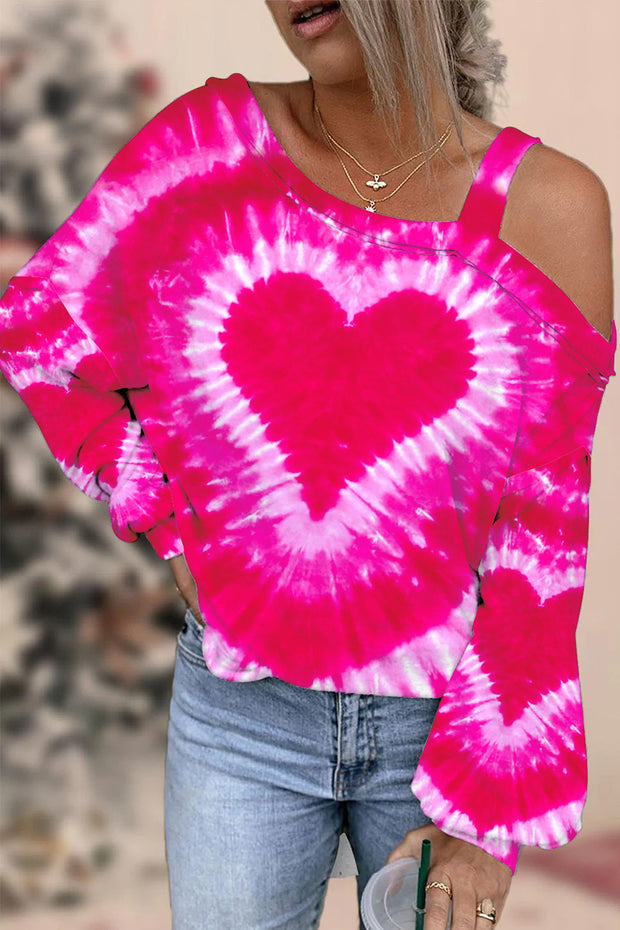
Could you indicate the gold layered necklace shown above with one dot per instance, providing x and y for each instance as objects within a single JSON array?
[{"x": 376, "y": 181}]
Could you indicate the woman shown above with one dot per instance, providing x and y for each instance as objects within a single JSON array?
[{"x": 283, "y": 337}]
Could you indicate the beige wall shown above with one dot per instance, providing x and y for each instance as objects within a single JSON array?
[{"x": 562, "y": 71}]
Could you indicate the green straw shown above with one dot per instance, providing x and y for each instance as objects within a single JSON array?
[{"x": 425, "y": 861}]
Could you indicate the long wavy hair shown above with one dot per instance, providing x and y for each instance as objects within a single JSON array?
[{"x": 426, "y": 42}]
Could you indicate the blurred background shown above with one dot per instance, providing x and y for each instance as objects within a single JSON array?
[{"x": 87, "y": 622}]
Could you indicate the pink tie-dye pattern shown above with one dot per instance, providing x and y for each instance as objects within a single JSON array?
[{"x": 370, "y": 437}]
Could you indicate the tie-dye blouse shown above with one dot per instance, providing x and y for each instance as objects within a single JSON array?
[{"x": 370, "y": 437}]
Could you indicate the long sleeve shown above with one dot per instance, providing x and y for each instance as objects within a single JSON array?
[
  {"x": 84, "y": 412},
  {"x": 505, "y": 761},
  {"x": 67, "y": 343}
]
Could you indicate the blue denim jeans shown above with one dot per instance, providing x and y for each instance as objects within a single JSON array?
[{"x": 261, "y": 779}]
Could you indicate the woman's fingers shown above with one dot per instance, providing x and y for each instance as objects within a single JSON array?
[
  {"x": 438, "y": 903},
  {"x": 463, "y": 882},
  {"x": 464, "y": 901},
  {"x": 469, "y": 872}
]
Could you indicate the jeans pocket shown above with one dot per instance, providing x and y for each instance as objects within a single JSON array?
[{"x": 189, "y": 638}]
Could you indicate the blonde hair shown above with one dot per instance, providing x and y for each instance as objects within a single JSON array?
[{"x": 422, "y": 42}]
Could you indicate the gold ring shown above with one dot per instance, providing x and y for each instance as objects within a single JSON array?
[
  {"x": 486, "y": 910},
  {"x": 439, "y": 885}
]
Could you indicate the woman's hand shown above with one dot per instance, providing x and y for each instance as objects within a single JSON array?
[
  {"x": 186, "y": 585},
  {"x": 468, "y": 870}
]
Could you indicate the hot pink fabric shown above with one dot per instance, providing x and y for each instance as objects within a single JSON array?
[{"x": 370, "y": 437}]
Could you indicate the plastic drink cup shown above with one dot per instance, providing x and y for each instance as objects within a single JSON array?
[{"x": 388, "y": 901}]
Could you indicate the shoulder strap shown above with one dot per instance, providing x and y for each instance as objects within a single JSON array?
[{"x": 484, "y": 207}]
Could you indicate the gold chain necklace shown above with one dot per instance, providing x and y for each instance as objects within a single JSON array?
[{"x": 376, "y": 183}]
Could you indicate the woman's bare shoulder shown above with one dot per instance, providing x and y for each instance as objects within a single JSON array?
[{"x": 558, "y": 215}]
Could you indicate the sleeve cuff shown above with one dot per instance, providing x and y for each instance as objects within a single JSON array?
[
  {"x": 505, "y": 851},
  {"x": 502, "y": 848},
  {"x": 165, "y": 539}
]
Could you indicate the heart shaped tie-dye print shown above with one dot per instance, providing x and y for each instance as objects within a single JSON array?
[
  {"x": 509, "y": 728},
  {"x": 336, "y": 395},
  {"x": 370, "y": 437}
]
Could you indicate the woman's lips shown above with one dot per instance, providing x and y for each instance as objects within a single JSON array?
[{"x": 317, "y": 26}]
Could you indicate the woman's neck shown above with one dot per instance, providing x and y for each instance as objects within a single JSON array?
[{"x": 348, "y": 115}]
